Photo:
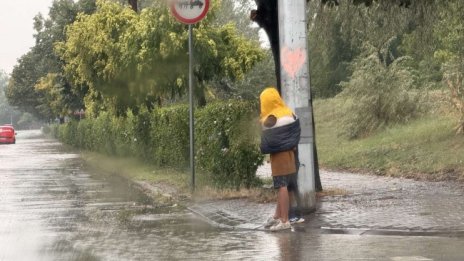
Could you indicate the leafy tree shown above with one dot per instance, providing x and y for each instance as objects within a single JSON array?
[
  {"x": 338, "y": 30},
  {"x": 236, "y": 12},
  {"x": 54, "y": 99},
  {"x": 6, "y": 111},
  {"x": 378, "y": 94},
  {"x": 41, "y": 61},
  {"x": 138, "y": 5},
  {"x": 260, "y": 76},
  {"x": 20, "y": 91},
  {"x": 9, "y": 114},
  {"x": 450, "y": 34},
  {"x": 330, "y": 49},
  {"x": 129, "y": 59},
  {"x": 420, "y": 44}
]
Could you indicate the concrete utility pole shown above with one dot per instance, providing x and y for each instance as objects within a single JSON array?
[{"x": 295, "y": 89}]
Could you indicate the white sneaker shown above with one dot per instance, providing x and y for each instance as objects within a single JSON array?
[
  {"x": 281, "y": 226},
  {"x": 271, "y": 221},
  {"x": 296, "y": 220}
]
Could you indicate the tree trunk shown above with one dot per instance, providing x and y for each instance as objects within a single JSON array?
[
  {"x": 201, "y": 98},
  {"x": 133, "y": 4},
  {"x": 266, "y": 16}
]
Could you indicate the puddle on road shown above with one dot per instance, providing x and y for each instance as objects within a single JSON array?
[{"x": 52, "y": 209}]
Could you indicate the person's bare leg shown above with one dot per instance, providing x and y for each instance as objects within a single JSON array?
[{"x": 283, "y": 204}]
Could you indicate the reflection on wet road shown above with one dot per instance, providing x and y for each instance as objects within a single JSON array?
[{"x": 53, "y": 209}]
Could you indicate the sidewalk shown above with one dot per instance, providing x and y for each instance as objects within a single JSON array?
[{"x": 371, "y": 205}]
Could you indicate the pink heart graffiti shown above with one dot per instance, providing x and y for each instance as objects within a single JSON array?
[{"x": 292, "y": 60}]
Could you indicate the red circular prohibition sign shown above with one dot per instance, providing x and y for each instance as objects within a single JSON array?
[{"x": 177, "y": 6}]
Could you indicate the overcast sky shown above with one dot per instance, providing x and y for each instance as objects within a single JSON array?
[{"x": 16, "y": 28}]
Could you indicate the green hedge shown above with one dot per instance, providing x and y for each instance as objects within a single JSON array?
[
  {"x": 226, "y": 139},
  {"x": 227, "y": 143}
]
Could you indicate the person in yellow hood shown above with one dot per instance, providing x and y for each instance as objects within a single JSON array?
[{"x": 280, "y": 137}]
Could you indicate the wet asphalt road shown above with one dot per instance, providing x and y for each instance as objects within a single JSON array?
[{"x": 51, "y": 208}]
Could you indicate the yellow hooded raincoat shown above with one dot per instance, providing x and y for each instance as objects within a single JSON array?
[{"x": 282, "y": 163}]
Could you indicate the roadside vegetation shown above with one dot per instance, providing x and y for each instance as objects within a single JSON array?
[
  {"x": 10, "y": 114},
  {"x": 386, "y": 81},
  {"x": 425, "y": 148},
  {"x": 226, "y": 140}
]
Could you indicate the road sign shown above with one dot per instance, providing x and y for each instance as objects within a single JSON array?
[{"x": 189, "y": 11}]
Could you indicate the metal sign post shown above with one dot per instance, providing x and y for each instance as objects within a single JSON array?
[
  {"x": 190, "y": 12},
  {"x": 191, "y": 108}
]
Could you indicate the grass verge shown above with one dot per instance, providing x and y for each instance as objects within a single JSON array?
[
  {"x": 170, "y": 182},
  {"x": 425, "y": 149}
]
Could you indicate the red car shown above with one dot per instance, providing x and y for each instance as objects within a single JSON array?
[{"x": 7, "y": 134}]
